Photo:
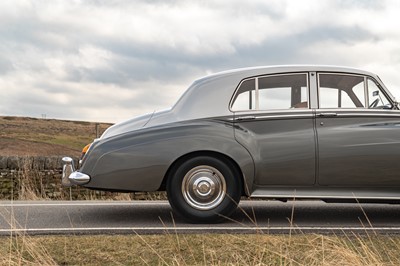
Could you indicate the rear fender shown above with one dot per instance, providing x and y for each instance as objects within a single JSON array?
[{"x": 139, "y": 160}]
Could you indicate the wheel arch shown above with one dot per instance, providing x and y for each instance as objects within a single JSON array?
[{"x": 223, "y": 157}]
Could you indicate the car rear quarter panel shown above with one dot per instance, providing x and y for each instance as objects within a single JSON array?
[{"x": 139, "y": 160}]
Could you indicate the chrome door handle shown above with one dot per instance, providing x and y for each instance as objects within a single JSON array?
[
  {"x": 249, "y": 117},
  {"x": 326, "y": 114}
]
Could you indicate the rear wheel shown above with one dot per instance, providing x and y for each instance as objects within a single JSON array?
[{"x": 204, "y": 189}]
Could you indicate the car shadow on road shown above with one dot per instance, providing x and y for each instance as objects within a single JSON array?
[{"x": 252, "y": 213}]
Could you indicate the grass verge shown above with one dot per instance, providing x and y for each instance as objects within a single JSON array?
[{"x": 205, "y": 249}]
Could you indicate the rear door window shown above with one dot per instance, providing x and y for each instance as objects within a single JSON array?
[{"x": 275, "y": 92}]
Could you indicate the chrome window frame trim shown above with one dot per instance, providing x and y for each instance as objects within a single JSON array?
[
  {"x": 257, "y": 95},
  {"x": 313, "y": 90},
  {"x": 366, "y": 96}
]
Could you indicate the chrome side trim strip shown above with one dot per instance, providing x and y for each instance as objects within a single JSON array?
[
  {"x": 370, "y": 115},
  {"x": 241, "y": 118},
  {"x": 287, "y": 196}
]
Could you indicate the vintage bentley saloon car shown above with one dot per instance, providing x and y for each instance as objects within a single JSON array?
[{"x": 304, "y": 132}]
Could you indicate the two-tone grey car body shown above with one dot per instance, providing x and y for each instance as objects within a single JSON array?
[{"x": 284, "y": 132}]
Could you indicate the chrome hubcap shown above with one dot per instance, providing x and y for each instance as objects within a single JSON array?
[{"x": 203, "y": 187}]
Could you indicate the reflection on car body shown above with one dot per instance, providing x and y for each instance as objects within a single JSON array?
[{"x": 312, "y": 132}]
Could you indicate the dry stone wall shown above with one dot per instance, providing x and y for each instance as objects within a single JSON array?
[
  {"x": 39, "y": 177},
  {"x": 31, "y": 177}
]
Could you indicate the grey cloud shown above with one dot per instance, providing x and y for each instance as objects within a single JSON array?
[
  {"x": 145, "y": 98},
  {"x": 29, "y": 29},
  {"x": 5, "y": 65},
  {"x": 101, "y": 75},
  {"x": 89, "y": 97},
  {"x": 273, "y": 10},
  {"x": 138, "y": 62},
  {"x": 36, "y": 104},
  {"x": 135, "y": 62},
  {"x": 290, "y": 49},
  {"x": 143, "y": 66},
  {"x": 365, "y": 4},
  {"x": 141, "y": 63},
  {"x": 124, "y": 71},
  {"x": 349, "y": 34}
]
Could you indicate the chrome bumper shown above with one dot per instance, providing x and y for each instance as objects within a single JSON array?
[{"x": 70, "y": 176}]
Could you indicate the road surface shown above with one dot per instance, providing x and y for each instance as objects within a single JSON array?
[{"x": 155, "y": 217}]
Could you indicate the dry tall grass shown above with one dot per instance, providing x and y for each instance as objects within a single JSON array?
[
  {"x": 28, "y": 190},
  {"x": 21, "y": 248},
  {"x": 202, "y": 249}
]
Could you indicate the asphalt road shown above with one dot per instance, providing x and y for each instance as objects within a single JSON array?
[{"x": 138, "y": 217}]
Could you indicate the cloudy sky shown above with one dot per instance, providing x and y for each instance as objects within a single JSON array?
[{"x": 108, "y": 60}]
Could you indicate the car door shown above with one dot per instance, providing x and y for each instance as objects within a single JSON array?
[
  {"x": 358, "y": 132},
  {"x": 274, "y": 122}
]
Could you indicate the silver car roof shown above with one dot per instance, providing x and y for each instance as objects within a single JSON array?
[
  {"x": 260, "y": 70},
  {"x": 210, "y": 96}
]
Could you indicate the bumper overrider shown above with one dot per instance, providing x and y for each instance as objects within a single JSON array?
[{"x": 70, "y": 176}]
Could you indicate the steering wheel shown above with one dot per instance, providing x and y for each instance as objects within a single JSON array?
[{"x": 374, "y": 103}]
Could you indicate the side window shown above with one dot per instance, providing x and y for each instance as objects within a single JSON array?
[
  {"x": 245, "y": 98},
  {"x": 272, "y": 92},
  {"x": 376, "y": 98},
  {"x": 341, "y": 91},
  {"x": 283, "y": 92}
]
